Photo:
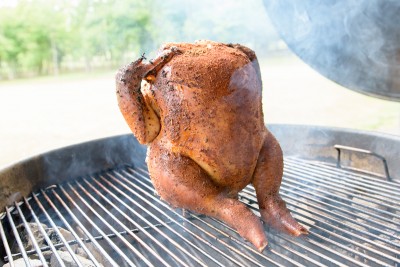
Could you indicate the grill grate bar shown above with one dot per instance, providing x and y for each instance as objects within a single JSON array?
[
  {"x": 285, "y": 187},
  {"x": 351, "y": 180},
  {"x": 299, "y": 254},
  {"x": 256, "y": 210},
  {"x": 139, "y": 216},
  {"x": 306, "y": 219},
  {"x": 42, "y": 231},
  {"x": 326, "y": 240},
  {"x": 85, "y": 240},
  {"x": 319, "y": 181},
  {"x": 185, "y": 219},
  {"x": 236, "y": 239},
  {"x": 377, "y": 253},
  {"x": 294, "y": 200},
  {"x": 244, "y": 244},
  {"x": 110, "y": 242},
  {"x": 5, "y": 243},
  {"x": 17, "y": 238},
  {"x": 344, "y": 180},
  {"x": 55, "y": 228},
  {"x": 119, "y": 235},
  {"x": 336, "y": 194},
  {"x": 336, "y": 214},
  {"x": 373, "y": 181},
  {"x": 342, "y": 237},
  {"x": 251, "y": 197},
  {"x": 321, "y": 194},
  {"x": 248, "y": 257},
  {"x": 227, "y": 227},
  {"x": 345, "y": 232},
  {"x": 345, "y": 248},
  {"x": 146, "y": 183},
  {"x": 138, "y": 227},
  {"x": 73, "y": 232},
  {"x": 154, "y": 217},
  {"x": 333, "y": 251},
  {"x": 320, "y": 255},
  {"x": 277, "y": 243},
  {"x": 325, "y": 214},
  {"x": 30, "y": 234}
]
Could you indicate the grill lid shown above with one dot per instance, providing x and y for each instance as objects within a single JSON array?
[
  {"x": 114, "y": 219},
  {"x": 354, "y": 43}
]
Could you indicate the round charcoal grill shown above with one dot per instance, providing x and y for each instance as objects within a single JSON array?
[{"x": 93, "y": 204}]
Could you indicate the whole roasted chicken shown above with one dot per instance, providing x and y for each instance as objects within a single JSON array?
[{"x": 198, "y": 108}]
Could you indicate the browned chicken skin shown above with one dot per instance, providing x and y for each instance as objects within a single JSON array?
[{"x": 200, "y": 112}]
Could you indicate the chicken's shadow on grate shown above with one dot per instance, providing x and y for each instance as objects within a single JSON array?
[{"x": 114, "y": 218}]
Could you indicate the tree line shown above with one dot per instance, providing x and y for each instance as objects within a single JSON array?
[
  {"x": 37, "y": 37},
  {"x": 42, "y": 37}
]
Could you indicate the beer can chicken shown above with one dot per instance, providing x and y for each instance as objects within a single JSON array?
[{"x": 198, "y": 108}]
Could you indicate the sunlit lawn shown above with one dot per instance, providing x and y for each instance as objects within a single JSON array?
[{"x": 50, "y": 112}]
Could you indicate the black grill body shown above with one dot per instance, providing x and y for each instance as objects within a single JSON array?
[{"x": 96, "y": 199}]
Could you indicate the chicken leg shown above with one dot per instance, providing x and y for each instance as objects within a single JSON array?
[
  {"x": 267, "y": 180},
  {"x": 184, "y": 184}
]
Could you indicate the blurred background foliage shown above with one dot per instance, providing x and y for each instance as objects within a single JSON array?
[{"x": 48, "y": 37}]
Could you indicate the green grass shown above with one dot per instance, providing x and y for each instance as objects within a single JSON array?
[{"x": 78, "y": 75}]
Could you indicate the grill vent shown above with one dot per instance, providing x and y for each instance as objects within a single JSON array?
[{"x": 114, "y": 219}]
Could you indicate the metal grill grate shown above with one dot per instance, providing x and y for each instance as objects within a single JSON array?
[{"x": 115, "y": 219}]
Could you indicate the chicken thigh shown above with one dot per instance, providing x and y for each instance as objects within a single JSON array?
[{"x": 198, "y": 108}]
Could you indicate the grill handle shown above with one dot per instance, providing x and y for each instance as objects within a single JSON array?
[{"x": 339, "y": 149}]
